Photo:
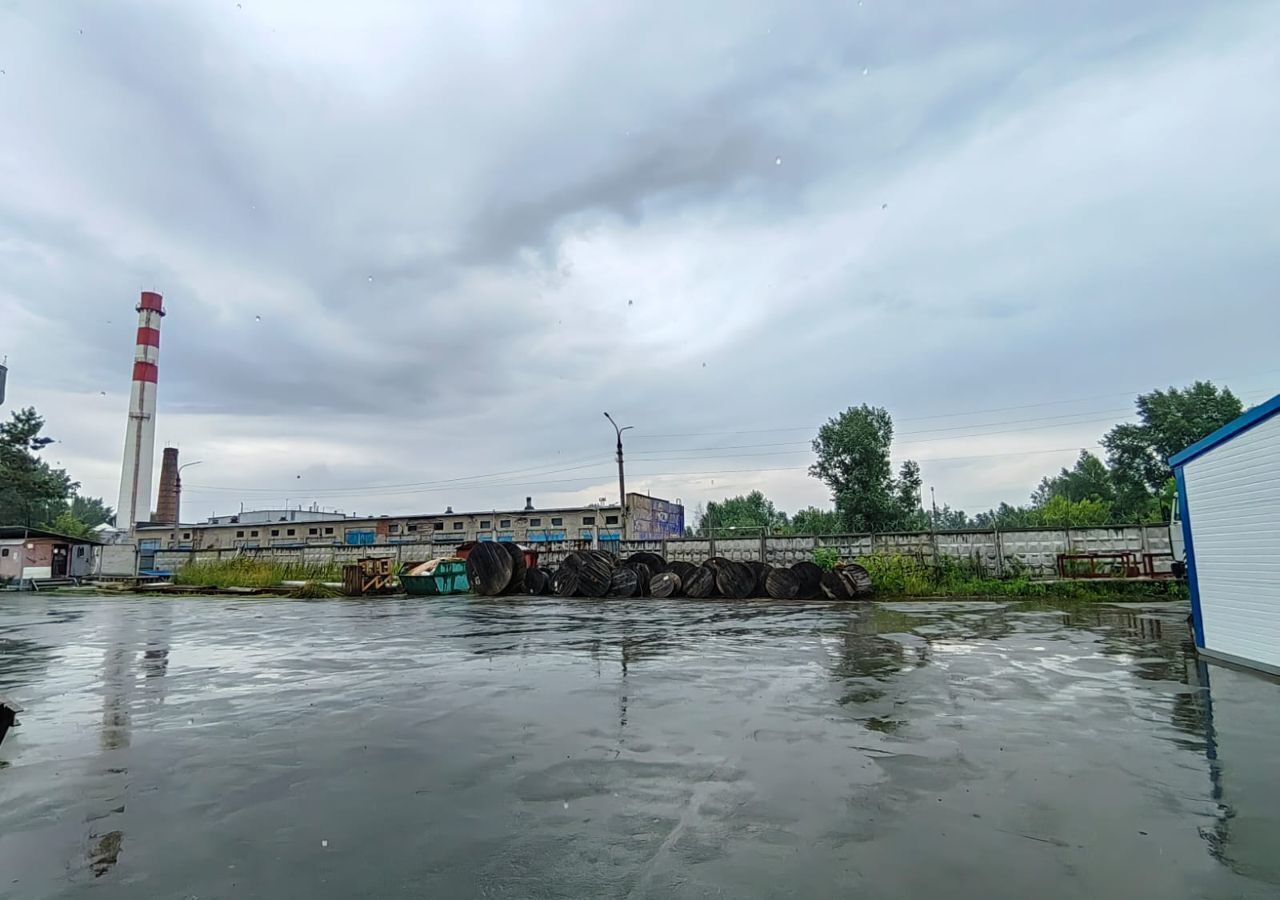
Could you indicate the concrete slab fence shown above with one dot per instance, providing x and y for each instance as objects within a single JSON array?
[{"x": 1031, "y": 551}]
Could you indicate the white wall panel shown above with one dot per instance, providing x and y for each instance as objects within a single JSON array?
[{"x": 1233, "y": 498}]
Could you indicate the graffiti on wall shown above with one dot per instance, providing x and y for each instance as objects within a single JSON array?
[{"x": 653, "y": 519}]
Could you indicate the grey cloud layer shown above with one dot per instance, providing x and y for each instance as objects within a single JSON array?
[{"x": 495, "y": 225}]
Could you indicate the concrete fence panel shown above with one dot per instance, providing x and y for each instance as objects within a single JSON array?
[
  {"x": 1157, "y": 538},
  {"x": 916, "y": 545},
  {"x": 738, "y": 549},
  {"x": 117, "y": 559},
  {"x": 1105, "y": 540},
  {"x": 694, "y": 550},
  {"x": 849, "y": 546},
  {"x": 1033, "y": 551},
  {"x": 626, "y": 548},
  {"x": 172, "y": 560},
  {"x": 976, "y": 548},
  {"x": 786, "y": 551}
]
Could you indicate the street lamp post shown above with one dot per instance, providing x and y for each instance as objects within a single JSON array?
[
  {"x": 177, "y": 490},
  {"x": 622, "y": 480}
]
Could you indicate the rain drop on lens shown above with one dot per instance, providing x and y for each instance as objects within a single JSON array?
[{"x": 777, "y": 160}]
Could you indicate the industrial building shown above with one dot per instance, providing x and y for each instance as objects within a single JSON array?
[
  {"x": 650, "y": 518},
  {"x": 31, "y": 554},
  {"x": 1229, "y": 507}
]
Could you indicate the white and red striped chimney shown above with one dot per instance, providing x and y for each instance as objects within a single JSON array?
[{"x": 140, "y": 439}]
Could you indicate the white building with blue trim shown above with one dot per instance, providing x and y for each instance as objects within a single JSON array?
[{"x": 1229, "y": 506}]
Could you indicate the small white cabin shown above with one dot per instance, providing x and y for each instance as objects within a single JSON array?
[{"x": 1229, "y": 506}]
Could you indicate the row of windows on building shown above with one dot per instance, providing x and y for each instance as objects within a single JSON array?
[
  {"x": 275, "y": 532},
  {"x": 485, "y": 525}
]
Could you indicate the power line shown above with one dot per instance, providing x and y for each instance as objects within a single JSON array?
[
  {"x": 1109, "y": 413},
  {"x": 465, "y": 482},
  {"x": 581, "y": 478},
  {"x": 960, "y": 437},
  {"x": 948, "y": 415},
  {"x": 993, "y": 455},
  {"x": 477, "y": 481}
]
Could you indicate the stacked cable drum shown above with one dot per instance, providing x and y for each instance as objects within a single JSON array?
[{"x": 495, "y": 568}]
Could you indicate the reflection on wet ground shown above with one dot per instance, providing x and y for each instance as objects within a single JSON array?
[{"x": 546, "y": 748}]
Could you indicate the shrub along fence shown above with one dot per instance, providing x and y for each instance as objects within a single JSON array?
[{"x": 1031, "y": 552}]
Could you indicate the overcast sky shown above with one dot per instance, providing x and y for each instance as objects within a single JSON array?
[{"x": 404, "y": 244}]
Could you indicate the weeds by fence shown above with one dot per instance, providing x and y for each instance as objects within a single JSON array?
[
  {"x": 907, "y": 576},
  {"x": 244, "y": 571}
]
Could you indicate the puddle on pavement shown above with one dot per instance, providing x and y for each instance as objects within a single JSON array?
[{"x": 539, "y": 747}]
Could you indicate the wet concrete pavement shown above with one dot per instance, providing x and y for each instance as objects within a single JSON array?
[{"x": 546, "y": 748}]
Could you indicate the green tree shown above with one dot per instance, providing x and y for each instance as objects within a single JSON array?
[
  {"x": 1057, "y": 512},
  {"x": 1170, "y": 421},
  {"x": 812, "y": 520},
  {"x": 753, "y": 510},
  {"x": 67, "y": 523},
  {"x": 853, "y": 461},
  {"x": 906, "y": 490},
  {"x": 948, "y": 519},
  {"x": 1162, "y": 503},
  {"x": 92, "y": 511},
  {"x": 1004, "y": 516},
  {"x": 1061, "y": 512},
  {"x": 1089, "y": 479},
  {"x": 32, "y": 493},
  {"x": 77, "y": 518}
]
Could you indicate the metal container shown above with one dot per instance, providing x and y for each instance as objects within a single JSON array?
[{"x": 450, "y": 577}]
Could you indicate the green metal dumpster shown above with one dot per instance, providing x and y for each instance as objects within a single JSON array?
[{"x": 449, "y": 577}]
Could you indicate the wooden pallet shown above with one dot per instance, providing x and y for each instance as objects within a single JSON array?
[{"x": 369, "y": 576}]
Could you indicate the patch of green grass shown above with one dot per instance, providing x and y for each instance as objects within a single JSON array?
[
  {"x": 314, "y": 590},
  {"x": 905, "y": 576},
  {"x": 251, "y": 572}
]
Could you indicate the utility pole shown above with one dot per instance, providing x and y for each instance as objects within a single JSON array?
[
  {"x": 711, "y": 526},
  {"x": 177, "y": 493},
  {"x": 933, "y": 526},
  {"x": 622, "y": 478}
]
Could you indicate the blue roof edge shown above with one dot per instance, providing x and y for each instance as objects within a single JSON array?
[{"x": 1244, "y": 422}]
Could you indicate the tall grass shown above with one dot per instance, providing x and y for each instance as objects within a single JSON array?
[
  {"x": 252, "y": 572},
  {"x": 908, "y": 576},
  {"x": 314, "y": 590}
]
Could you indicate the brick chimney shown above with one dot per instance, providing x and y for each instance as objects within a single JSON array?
[{"x": 167, "y": 501}]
